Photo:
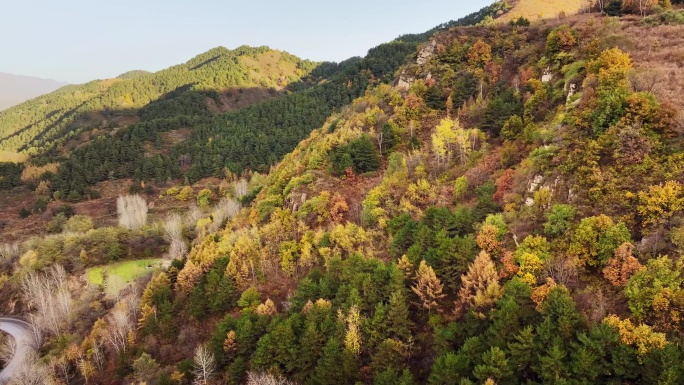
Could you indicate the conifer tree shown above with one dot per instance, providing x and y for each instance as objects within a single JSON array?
[
  {"x": 376, "y": 327},
  {"x": 309, "y": 352},
  {"x": 480, "y": 286},
  {"x": 398, "y": 321},
  {"x": 230, "y": 345},
  {"x": 327, "y": 370},
  {"x": 427, "y": 287}
]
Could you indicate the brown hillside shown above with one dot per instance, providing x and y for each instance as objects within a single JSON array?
[{"x": 543, "y": 9}]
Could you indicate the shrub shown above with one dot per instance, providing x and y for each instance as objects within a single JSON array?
[
  {"x": 79, "y": 224},
  {"x": 669, "y": 17},
  {"x": 204, "y": 198},
  {"x": 184, "y": 194},
  {"x": 56, "y": 224}
]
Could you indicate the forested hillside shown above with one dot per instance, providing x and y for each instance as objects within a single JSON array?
[
  {"x": 500, "y": 203},
  {"x": 40, "y": 124},
  {"x": 211, "y": 140}
]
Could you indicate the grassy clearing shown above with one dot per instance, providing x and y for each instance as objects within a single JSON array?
[{"x": 121, "y": 273}]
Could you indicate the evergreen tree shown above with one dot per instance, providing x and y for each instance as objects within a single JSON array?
[
  {"x": 399, "y": 323},
  {"x": 327, "y": 370}
]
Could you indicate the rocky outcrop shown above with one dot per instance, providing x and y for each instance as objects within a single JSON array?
[
  {"x": 426, "y": 52},
  {"x": 405, "y": 81}
]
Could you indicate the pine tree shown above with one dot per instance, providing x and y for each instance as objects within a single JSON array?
[
  {"x": 495, "y": 366},
  {"x": 309, "y": 352},
  {"x": 522, "y": 350},
  {"x": 480, "y": 286},
  {"x": 390, "y": 354},
  {"x": 376, "y": 327},
  {"x": 230, "y": 345},
  {"x": 428, "y": 287},
  {"x": 399, "y": 323},
  {"x": 327, "y": 370}
]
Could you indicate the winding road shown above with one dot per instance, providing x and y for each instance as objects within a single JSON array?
[{"x": 19, "y": 330}]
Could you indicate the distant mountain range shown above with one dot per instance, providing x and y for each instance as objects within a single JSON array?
[{"x": 15, "y": 89}]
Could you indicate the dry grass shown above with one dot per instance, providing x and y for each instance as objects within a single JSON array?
[
  {"x": 543, "y": 9},
  {"x": 9, "y": 156},
  {"x": 655, "y": 51}
]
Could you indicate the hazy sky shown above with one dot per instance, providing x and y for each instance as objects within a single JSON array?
[{"x": 81, "y": 40}]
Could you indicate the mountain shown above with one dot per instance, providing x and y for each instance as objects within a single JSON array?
[
  {"x": 486, "y": 204},
  {"x": 142, "y": 111},
  {"x": 15, "y": 89},
  {"x": 42, "y": 123}
]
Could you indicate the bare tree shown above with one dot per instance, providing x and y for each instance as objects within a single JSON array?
[
  {"x": 173, "y": 227},
  {"x": 36, "y": 336},
  {"x": 225, "y": 209},
  {"x": 97, "y": 354},
  {"x": 205, "y": 365},
  {"x": 601, "y": 4},
  {"x": 266, "y": 379},
  {"x": 177, "y": 249},
  {"x": 8, "y": 251},
  {"x": 32, "y": 372},
  {"x": 48, "y": 294},
  {"x": 647, "y": 80},
  {"x": 132, "y": 210},
  {"x": 120, "y": 323},
  {"x": 562, "y": 269},
  {"x": 193, "y": 215},
  {"x": 240, "y": 188},
  {"x": 173, "y": 233},
  {"x": 61, "y": 367}
]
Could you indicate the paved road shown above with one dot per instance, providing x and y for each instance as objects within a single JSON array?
[{"x": 20, "y": 331}]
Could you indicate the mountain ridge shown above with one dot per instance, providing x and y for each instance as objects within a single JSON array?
[{"x": 16, "y": 89}]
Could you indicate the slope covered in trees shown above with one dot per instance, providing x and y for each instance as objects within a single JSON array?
[
  {"x": 483, "y": 250},
  {"x": 253, "y": 138},
  {"x": 42, "y": 123}
]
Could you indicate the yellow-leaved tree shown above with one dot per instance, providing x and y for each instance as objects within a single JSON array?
[
  {"x": 451, "y": 140},
  {"x": 480, "y": 287},
  {"x": 660, "y": 202},
  {"x": 642, "y": 336}
]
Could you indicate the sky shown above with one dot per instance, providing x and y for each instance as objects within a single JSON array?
[{"x": 82, "y": 40}]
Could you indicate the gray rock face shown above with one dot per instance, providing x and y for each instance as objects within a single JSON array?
[
  {"x": 405, "y": 81},
  {"x": 426, "y": 52}
]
